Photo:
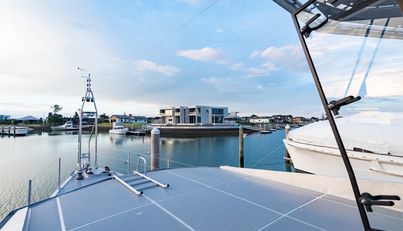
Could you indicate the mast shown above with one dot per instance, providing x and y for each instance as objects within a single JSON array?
[{"x": 83, "y": 159}]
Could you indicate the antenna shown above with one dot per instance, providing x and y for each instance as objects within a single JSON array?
[{"x": 83, "y": 159}]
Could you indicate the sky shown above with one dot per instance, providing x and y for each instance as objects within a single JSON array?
[{"x": 143, "y": 55}]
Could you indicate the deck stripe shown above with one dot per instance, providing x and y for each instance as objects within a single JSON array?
[
  {"x": 61, "y": 218},
  {"x": 169, "y": 213},
  {"x": 229, "y": 194},
  {"x": 256, "y": 204},
  {"x": 110, "y": 216},
  {"x": 292, "y": 210}
]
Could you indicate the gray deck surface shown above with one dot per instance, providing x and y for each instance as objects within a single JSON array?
[{"x": 200, "y": 199}]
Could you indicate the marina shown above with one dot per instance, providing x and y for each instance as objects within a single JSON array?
[{"x": 37, "y": 151}]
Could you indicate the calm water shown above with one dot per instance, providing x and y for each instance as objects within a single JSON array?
[{"x": 36, "y": 157}]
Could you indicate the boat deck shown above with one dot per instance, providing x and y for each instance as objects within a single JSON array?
[{"x": 200, "y": 198}]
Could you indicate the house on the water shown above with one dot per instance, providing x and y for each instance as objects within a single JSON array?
[
  {"x": 129, "y": 119},
  {"x": 200, "y": 115}
]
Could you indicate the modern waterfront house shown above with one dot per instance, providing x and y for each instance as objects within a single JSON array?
[{"x": 200, "y": 115}]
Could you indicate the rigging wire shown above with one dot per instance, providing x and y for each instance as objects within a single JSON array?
[
  {"x": 168, "y": 35},
  {"x": 359, "y": 56},
  {"x": 264, "y": 157}
]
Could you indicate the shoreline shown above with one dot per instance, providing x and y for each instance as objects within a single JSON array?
[{"x": 167, "y": 131}]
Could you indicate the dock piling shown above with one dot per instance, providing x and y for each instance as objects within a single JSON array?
[
  {"x": 287, "y": 156},
  {"x": 29, "y": 191},
  {"x": 128, "y": 163},
  {"x": 241, "y": 146},
  {"x": 155, "y": 148}
]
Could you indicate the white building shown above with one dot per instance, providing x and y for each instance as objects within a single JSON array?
[
  {"x": 200, "y": 115},
  {"x": 260, "y": 120}
]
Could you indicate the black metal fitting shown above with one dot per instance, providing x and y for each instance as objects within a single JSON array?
[
  {"x": 369, "y": 200},
  {"x": 335, "y": 105}
]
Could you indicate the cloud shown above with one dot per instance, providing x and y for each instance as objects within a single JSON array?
[
  {"x": 219, "y": 30},
  {"x": 190, "y": 2},
  {"x": 289, "y": 57},
  {"x": 237, "y": 66},
  {"x": 264, "y": 69},
  {"x": 282, "y": 53},
  {"x": 146, "y": 65},
  {"x": 232, "y": 85},
  {"x": 206, "y": 54}
]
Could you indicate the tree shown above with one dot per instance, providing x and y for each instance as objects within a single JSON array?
[
  {"x": 54, "y": 118},
  {"x": 56, "y": 108},
  {"x": 104, "y": 118}
]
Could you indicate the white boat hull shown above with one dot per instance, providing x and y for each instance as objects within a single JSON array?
[
  {"x": 119, "y": 131},
  {"x": 327, "y": 161},
  {"x": 14, "y": 131}
]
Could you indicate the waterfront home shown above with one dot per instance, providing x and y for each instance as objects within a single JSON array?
[
  {"x": 128, "y": 119},
  {"x": 261, "y": 120},
  {"x": 201, "y": 115},
  {"x": 299, "y": 120},
  {"x": 282, "y": 118},
  {"x": 28, "y": 120},
  {"x": 138, "y": 119},
  {"x": 122, "y": 118}
]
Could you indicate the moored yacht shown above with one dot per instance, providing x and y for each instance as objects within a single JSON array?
[
  {"x": 372, "y": 141},
  {"x": 118, "y": 128},
  {"x": 69, "y": 126},
  {"x": 357, "y": 82},
  {"x": 14, "y": 130}
]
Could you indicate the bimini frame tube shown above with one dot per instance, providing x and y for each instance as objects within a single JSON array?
[{"x": 332, "y": 122}]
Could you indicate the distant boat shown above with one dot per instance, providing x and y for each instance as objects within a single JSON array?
[
  {"x": 14, "y": 131},
  {"x": 118, "y": 129},
  {"x": 68, "y": 126},
  {"x": 265, "y": 131}
]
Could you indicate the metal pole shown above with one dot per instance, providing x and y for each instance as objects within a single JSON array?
[
  {"x": 241, "y": 144},
  {"x": 29, "y": 191},
  {"x": 128, "y": 163},
  {"x": 287, "y": 156},
  {"x": 79, "y": 167},
  {"x": 96, "y": 133},
  {"x": 332, "y": 122},
  {"x": 155, "y": 148},
  {"x": 60, "y": 168}
]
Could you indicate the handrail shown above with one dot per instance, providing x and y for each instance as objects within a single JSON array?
[
  {"x": 152, "y": 180},
  {"x": 144, "y": 164},
  {"x": 138, "y": 193}
]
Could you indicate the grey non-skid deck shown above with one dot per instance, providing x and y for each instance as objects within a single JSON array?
[{"x": 200, "y": 199}]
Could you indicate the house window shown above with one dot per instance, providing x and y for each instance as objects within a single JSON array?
[{"x": 219, "y": 111}]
